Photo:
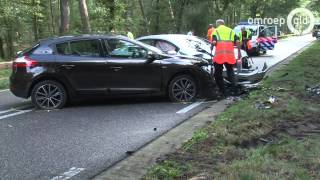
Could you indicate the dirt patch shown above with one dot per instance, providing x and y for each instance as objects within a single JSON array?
[{"x": 297, "y": 128}]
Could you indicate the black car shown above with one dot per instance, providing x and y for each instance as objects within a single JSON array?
[{"x": 62, "y": 68}]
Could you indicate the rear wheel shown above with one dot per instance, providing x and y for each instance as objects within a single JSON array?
[
  {"x": 183, "y": 88},
  {"x": 48, "y": 95}
]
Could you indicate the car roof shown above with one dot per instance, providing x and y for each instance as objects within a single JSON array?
[
  {"x": 59, "y": 39},
  {"x": 164, "y": 36}
]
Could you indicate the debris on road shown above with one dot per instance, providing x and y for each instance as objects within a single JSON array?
[
  {"x": 130, "y": 152},
  {"x": 266, "y": 104},
  {"x": 154, "y": 129},
  {"x": 272, "y": 99},
  {"x": 315, "y": 91},
  {"x": 284, "y": 75}
]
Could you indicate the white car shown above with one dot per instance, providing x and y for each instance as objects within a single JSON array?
[{"x": 185, "y": 45}]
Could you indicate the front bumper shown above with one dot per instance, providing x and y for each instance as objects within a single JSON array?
[{"x": 249, "y": 76}]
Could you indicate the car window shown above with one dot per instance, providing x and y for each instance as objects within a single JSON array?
[
  {"x": 148, "y": 41},
  {"x": 84, "y": 48},
  {"x": 267, "y": 32},
  {"x": 63, "y": 49},
  {"x": 165, "y": 46},
  {"x": 316, "y": 27},
  {"x": 124, "y": 49}
]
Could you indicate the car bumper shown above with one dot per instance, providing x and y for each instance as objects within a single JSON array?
[
  {"x": 249, "y": 76},
  {"x": 19, "y": 87}
]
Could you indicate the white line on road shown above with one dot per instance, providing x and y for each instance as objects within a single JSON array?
[
  {"x": 69, "y": 174},
  {"x": 5, "y": 90},
  {"x": 15, "y": 114},
  {"x": 188, "y": 108},
  {"x": 6, "y": 111}
]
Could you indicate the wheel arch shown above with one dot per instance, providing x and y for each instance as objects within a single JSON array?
[{"x": 46, "y": 77}]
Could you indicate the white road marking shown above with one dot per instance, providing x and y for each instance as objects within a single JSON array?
[
  {"x": 15, "y": 114},
  {"x": 6, "y": 111},
  {"x": 69, "y": 174},
  {"x": 188, "y": 108},
  {"x": 5, "y": 90}
]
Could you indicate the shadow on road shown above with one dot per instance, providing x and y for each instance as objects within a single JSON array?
[{"x": 115, "y": 101}]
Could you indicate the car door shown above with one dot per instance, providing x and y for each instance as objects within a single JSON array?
[
  {"x": 82, "y": 63},
  {"x": 130, "y": 71},
  {"x": 268, "y": 38}
]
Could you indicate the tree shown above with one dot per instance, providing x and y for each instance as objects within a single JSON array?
[
  {"x": 84, "y": 16},
  {"x": 65, "y": 17}
]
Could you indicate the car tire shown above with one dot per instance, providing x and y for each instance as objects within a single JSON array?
[
  {"x": 49, "y": 95},
  {"x": 183, "y": 88}
]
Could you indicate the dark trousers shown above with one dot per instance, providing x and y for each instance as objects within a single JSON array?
[
  {"x": 219, "y": 78},
  {"x": 244, "y": 45}
]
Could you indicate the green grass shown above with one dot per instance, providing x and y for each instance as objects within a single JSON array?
[
  {"x": 4, "y": 78},
  {"x": 247, "y": 143}
]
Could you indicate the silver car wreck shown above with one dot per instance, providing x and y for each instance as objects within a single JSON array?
[{"x": 184, "y": 45}]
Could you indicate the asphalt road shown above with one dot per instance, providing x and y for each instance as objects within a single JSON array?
[{"x": 86, "y": 137}]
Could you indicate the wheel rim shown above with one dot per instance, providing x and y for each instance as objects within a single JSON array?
[
  {"x": 184, "y": 89},
  {"x": 48, "y": 96}
]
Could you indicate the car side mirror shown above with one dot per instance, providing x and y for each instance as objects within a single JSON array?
[
  {"x": 151, "y": 56},
  {"x": 172, "y": 53}
]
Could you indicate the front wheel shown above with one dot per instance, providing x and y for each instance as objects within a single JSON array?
[
  {"x": 183, "y": 88},
  {"x": 48, "y": 95}
]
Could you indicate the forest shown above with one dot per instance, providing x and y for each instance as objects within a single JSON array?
[{"x": 24, "y": 22}]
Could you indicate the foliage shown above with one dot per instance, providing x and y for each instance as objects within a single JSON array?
[{"x": 24, "y": 22}]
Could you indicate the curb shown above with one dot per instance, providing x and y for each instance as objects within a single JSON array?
[{"x": 4, "y": 65}]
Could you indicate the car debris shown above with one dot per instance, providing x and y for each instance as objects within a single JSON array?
[
  {"x": 315, "y": 91},
  {"x": 266, "y": 104}
]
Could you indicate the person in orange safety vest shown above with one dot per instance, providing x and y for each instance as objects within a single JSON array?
[
  {"x": 210, "y": 32},
  {"x": 224, "y": 39}
]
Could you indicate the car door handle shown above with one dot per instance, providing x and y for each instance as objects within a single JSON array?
[
  {"x": 116, "y": 68},
  {"x": 68, "y": 66}
]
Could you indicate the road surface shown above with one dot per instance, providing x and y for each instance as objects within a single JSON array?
[{"x": 86, "y": 137}]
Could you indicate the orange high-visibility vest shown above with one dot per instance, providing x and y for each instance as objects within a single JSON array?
[
  {"x": 225, "y": 45},
  {"x": 249, "y": 45},
  {"x": 209, "y": 34}
]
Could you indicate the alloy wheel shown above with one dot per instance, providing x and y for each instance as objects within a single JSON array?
[
  {"x": 184, "y": 89},
  {"x": 49, "y": 96}
]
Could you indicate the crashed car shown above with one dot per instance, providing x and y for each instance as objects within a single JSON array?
[{"x": 184, "y": 45}]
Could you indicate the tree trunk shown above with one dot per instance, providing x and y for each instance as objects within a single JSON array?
[
  {"x": 157, "y": 22},
  {"x": 180, "y": 15},
  {"x": 35, "y": 22},
  {"x": 111, "y": 6},
  {"x": 145, "y": 20},
  {"x": 2, "y": 55},
  {"x": 53, "y": 28},
  {"x": 172, "y": 14},
  {"x": 84, "y": 16},
  {"x": 65, "y": 17}
]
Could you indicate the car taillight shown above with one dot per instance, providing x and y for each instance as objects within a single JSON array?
[{"x": 24, "y": 61}]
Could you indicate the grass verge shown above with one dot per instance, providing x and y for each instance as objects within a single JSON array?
[
  {"x": 274, "y": 133},
  {"x": 4, "y": 78}
]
